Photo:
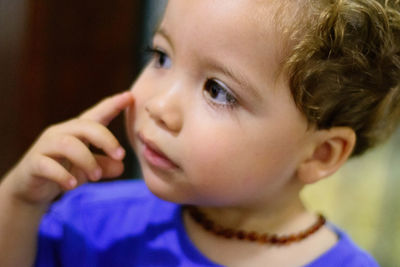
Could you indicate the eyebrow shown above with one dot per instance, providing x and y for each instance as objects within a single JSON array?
[
  {"x": 237, "y": 77},
  {"x": 224, "y": 69},
  {"x": 161, "y": 31}
]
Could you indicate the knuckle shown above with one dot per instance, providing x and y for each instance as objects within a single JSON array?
[
  {"x": 42, "y": 165},
  {"x": 87, "y": 122},
  {"x": 65, "y": 140},
  {"x": 73, "y": 121},
  {"x": 50, "y": 130}
]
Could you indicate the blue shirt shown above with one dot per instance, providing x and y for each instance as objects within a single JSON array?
[{"x": 123, "y": 224}]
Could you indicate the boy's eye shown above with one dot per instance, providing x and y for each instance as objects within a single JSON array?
[
  {"x": 161, "y": 59},
  {"x": 218, "y": 93}
]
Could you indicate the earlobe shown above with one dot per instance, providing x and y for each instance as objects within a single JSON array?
[{"x": 331, "y": 150}]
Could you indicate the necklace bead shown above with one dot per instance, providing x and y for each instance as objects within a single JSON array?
[{"x": 264, "y": 238}]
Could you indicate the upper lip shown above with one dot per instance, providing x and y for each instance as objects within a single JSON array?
[{"x": 153, "y": 146}]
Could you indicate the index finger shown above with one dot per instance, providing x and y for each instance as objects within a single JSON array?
[{"x": 105, "y": 111}]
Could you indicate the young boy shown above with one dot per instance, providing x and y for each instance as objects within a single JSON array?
[{"x": 243, "y": 104}]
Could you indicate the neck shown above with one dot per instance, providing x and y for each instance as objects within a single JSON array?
[
  {"x": 282, "y": 215},
  {"x": 291, "y": 219}
]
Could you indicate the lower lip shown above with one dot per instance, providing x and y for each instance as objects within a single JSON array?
[{"x": 157, "y": 160}]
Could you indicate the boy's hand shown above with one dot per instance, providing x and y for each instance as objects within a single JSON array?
[{"x": 61, "y": 160}]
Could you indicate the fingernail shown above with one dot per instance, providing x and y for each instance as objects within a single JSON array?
[
  {"x": 72, "y": 183},
  {"x": 97, "y": 174},
  {"x": 119, "y": 153}
]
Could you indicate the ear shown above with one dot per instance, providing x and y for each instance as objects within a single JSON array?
[{"x": 330, "y": 150}]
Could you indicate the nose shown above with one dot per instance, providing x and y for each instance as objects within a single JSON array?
[{"x": 165, "y": 110}]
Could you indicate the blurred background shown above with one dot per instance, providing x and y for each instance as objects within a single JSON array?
[
  {"x": 57, "y": 58},
  {"x": 363, "y": 198}
]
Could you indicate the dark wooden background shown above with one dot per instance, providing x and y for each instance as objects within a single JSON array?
[{"x": 66, "y": 56}]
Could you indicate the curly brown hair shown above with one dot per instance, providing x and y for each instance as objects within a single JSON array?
[{"x": 343, "y": 64}]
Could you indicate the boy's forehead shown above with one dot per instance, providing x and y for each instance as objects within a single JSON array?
[
  {"x": 256, "y": 13},
  {"x": 246, "y": 25}
]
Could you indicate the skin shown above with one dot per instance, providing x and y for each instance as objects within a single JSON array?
[
  {"x": 242, "y": 155},
  {"x": 212, "y": 104},
  {"x": 256, "y": 143},
  {"x": 59, "y": 160},
  {"x": 235, "y": 152}
]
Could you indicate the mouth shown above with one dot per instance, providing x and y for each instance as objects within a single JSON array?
[{"x": 155, "y": 156}]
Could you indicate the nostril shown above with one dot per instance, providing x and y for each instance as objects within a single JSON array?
[{"x": 162, "y": 123}]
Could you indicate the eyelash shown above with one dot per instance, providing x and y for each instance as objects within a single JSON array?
[
  {"x": 231, "y": 99},
  {"x": 156, "y": 54}
]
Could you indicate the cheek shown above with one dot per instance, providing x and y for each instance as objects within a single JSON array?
[
  {"x": 142, "y": 92},
  {"x": 130, "y": 121},
  {"x": 215, "y": 158},
  {"x": 222, "y": 173},
  {"x": 139, "y": 93},
  {"x": 234, "y": 160},
  {"x": 134, "y": 114}
]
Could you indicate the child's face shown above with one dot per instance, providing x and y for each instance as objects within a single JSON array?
[{"x": 210, "y": 102}]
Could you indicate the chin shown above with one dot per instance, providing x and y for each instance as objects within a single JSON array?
[{"x": 164, "y": 190}]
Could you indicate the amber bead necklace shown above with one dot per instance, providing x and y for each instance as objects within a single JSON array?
[{"x": 264, "y": 238}]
